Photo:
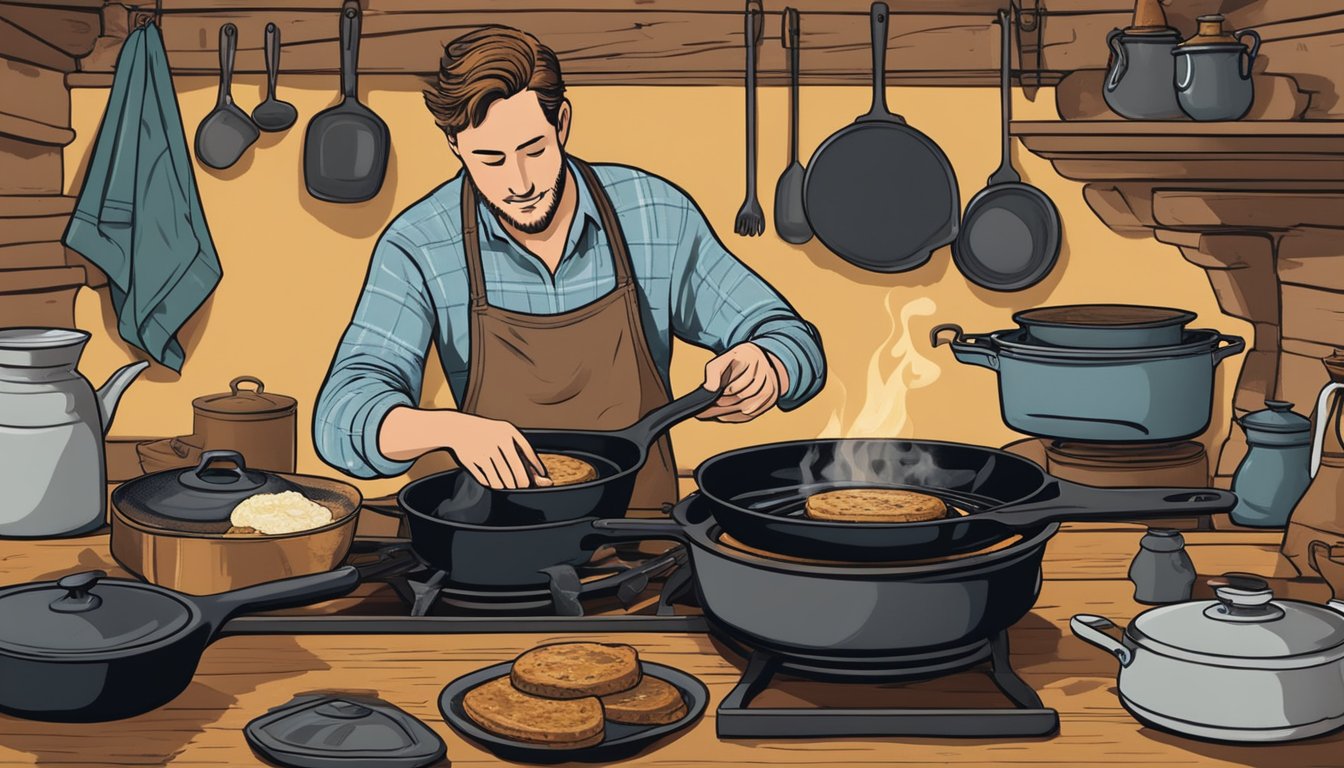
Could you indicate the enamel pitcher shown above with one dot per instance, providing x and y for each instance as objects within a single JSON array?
[{"x": 52, "y": 424}]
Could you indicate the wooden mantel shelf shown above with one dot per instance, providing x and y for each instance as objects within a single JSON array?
[{"x": 1258, "y": 204}]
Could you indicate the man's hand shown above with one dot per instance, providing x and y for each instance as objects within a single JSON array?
[
  {"x": 493, "y": 451},
  {"x": 755, "y": 380}
]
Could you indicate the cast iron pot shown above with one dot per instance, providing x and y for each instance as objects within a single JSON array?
[
  {"x": 1242, "y": 668},
  {"x": 1109, "y": 395},
  {"x": 885, "y": 618},
  {"x": 87, "y": 648}
]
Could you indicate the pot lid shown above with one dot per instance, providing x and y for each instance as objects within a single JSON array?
[
  {"x": 86, "y": 613},
  {"x": 1278, "y": 417},
  {"x": 1244, "y": 627},
  {"x": 317, "y": 730},
  {"x": 245, "y": 401},
  {"x": 203, "y": 492},
  {"x": 1105, "y": 316}
]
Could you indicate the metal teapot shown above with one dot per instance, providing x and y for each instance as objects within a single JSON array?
[
  {"x": 52, "y": 424},
  {"x": 1213, "y": 71}
]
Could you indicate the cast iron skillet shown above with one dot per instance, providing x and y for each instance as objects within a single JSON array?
[
  {"x": 455, "y": 495},
  {"x": 1010, "y": 232},
  {"x": 879, "y": 193},
  {"x": 620, "y": 740},
  {"x": 757, "y": 496},
  {"x": 87, "y": 648}
]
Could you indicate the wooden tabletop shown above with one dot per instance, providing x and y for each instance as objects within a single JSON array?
[{"x": 241, "y": 677}]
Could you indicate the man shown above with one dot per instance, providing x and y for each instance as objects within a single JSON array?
[{"x": 552, "y": 289}]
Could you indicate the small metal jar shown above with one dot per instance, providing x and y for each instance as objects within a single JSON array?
[
  {"x": 1213, "y": 71},
  {"x": 1162, "y": 571}
]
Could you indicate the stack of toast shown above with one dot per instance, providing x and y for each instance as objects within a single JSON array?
[{"x": 562, "y": 695}]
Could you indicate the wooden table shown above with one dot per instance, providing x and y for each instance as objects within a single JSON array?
[{"x": 1085, "y": 571}]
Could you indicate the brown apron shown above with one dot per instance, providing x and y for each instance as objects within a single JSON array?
[{"x": 589, "y": 368}]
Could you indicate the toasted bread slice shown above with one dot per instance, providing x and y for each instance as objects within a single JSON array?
[
  {"x": 505, "y": 711},
  {"x": 652, "y": 702},
  {"x": 567, "y": 470},
  {"x": 874, "y": 505},
  {"x": 575, "y": 670}
]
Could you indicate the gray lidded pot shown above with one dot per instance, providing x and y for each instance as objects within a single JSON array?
[
  {"x": 1139, "y": 80},
  {"x": 1244, "y": 667},
  {"x": 1276, "y": 470},
  {"x": 1213, "y": 82}
]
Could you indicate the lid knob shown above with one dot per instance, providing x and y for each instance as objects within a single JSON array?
[
  {"x": 77, "y": 598},
  {"x": 230, "y": 480},
  {"x": 1242, "y": 597},
  {"x": 1279, "y": 406},
  {"x": 344, "y": 710}
]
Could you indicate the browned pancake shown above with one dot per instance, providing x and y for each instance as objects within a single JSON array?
[
  {"x": 567, "y": 470},
  {"x": 575, "y": 670},
  {"x": 505, "y": 711},
  {"x": 652, "y": 702},
  {"x": 874, "y": 505}
]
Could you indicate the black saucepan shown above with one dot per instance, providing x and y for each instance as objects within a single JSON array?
[
  {"x": 758, "y": 493},
  {"x": 879, "y": 193},
  {"x": 87, "y": 648},
  {"x": 864, "y": 620},
  {"x": 455, "y": 495}
]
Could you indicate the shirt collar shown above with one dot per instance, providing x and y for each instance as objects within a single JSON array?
[{"x": 585, "y": 211}]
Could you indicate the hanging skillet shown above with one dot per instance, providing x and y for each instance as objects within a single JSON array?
[
  {"x": 1009, "y": 237},
  {"x": 345, "y": 147},
  {"x": 879, "y": 193}
]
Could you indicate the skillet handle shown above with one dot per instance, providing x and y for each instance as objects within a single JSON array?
[
  {"x": 663, "y": 418},
  {"x": 285, "y": 593},
  {"x": 1074, "y": 502},
  {"x": 620, "y": 529}
]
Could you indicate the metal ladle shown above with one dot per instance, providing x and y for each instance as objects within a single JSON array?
[{"x": 273, "y": 114}]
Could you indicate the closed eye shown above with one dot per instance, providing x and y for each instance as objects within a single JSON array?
[
  {"x": 538, "y": 153},
  {"x": 494, "y": 163}
]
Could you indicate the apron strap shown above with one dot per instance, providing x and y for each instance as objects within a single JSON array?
[
  {"x": 471, "y": 243},
  {"x": 620, "y": 253}
]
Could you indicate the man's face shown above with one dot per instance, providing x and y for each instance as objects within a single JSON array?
[{"x": 515, "y": 159}]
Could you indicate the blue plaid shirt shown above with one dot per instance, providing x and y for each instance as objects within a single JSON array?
[{"x": 417, "y": 291}]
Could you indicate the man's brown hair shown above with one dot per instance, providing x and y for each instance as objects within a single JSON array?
[{"x": 489, "y": 63}]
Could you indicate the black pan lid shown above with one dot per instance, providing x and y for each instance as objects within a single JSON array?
[
  {"x": 321, "y": 730},
  {"x": 203, "y": 493},
  {"x": 86, "y": 614}
]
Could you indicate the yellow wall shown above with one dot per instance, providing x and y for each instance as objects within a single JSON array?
[{"x": 293, "y": 266}]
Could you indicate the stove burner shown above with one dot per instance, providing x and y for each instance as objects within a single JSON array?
[{"x": 737, "y": 719}]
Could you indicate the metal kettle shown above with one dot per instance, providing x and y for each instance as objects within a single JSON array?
[
  {"x": 1141, "y": 74},
  {"x": 52, "y": 424},
  {"x": 1275, "y": 472}
]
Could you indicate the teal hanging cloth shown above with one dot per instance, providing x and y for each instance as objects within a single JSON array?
[{"x": 139, "y": 217}]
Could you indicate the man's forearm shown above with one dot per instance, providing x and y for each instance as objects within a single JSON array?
[{"x": 408, "y": 433}]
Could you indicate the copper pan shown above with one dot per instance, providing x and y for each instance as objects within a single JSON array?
[{"x": 208, "y": 562}]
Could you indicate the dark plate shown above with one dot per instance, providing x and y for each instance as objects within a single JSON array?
[{"x": 620, "y": 741}]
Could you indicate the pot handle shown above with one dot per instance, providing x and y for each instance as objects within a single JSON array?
[
  {"x": 624, "y": 529},
  {"x": 1235, "y": 344},
  {"x": 1120, "y": 63},
  {"x": 1091, "y": 629},
  {"x": 285, "y": 593},
  {"x": 1067, "y": 501},
  {"x": 971, "y": 348},
  {"x": 1248, "y": 61},
  {"x": 1184, "y": 72}
]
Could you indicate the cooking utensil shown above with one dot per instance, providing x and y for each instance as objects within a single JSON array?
[
  {"x": 151, "y": 540},
  {"x": 750, "y": 217},
  {"x": 620, "y": 740},
  {"x": 258, "y": 424},
  {"x": 616, "y": 455},
  {"x": 1213, "y": 71},
  {"x": 1140, "y": 77},
  {"x": 88, "y": 648},
  {"x": 1111, "y": 326},
  {"x": 790, "y": 218},
  {"x": 873, "y": 621},
  {"x": 1276, "y": 470},
  {"x": 226, "y": 133},
  {"x": 202, "y": 494},
  {"x": 342, "y": 730},
  {"x": 1010, "y": 232},
  {"x": 1242, "y": 668},
  {"x": 758, "y": 493},
  {"x": 1318, "y": 515},
  {"x": 345, "y": 147},
  {"x": 52, "y": 425},
  {"x": 879, "y": 193},
  {"x": 273, "y": 114},
  {"x": 1146, "y": 394}
]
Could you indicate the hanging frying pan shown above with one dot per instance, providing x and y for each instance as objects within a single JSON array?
[
  {"x": 879, "y": 193},
  {"x": 345, "y": 147},
  {"x": 1010, "y": 234}
]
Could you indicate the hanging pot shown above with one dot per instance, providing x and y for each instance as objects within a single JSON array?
[{"x": 1244, "y": 667}]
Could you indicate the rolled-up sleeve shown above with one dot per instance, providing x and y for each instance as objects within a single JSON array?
[
  {"x": 378, "y": 366},
  {"x": 718, "y": 302}
]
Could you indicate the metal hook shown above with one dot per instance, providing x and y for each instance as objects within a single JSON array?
[{"x": 142, "y": 18}]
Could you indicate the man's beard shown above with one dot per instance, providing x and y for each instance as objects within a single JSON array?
[{"x": 542, "y": 223}]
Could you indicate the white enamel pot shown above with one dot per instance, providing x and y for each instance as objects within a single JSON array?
[{"x": 1242, "y": 668}]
